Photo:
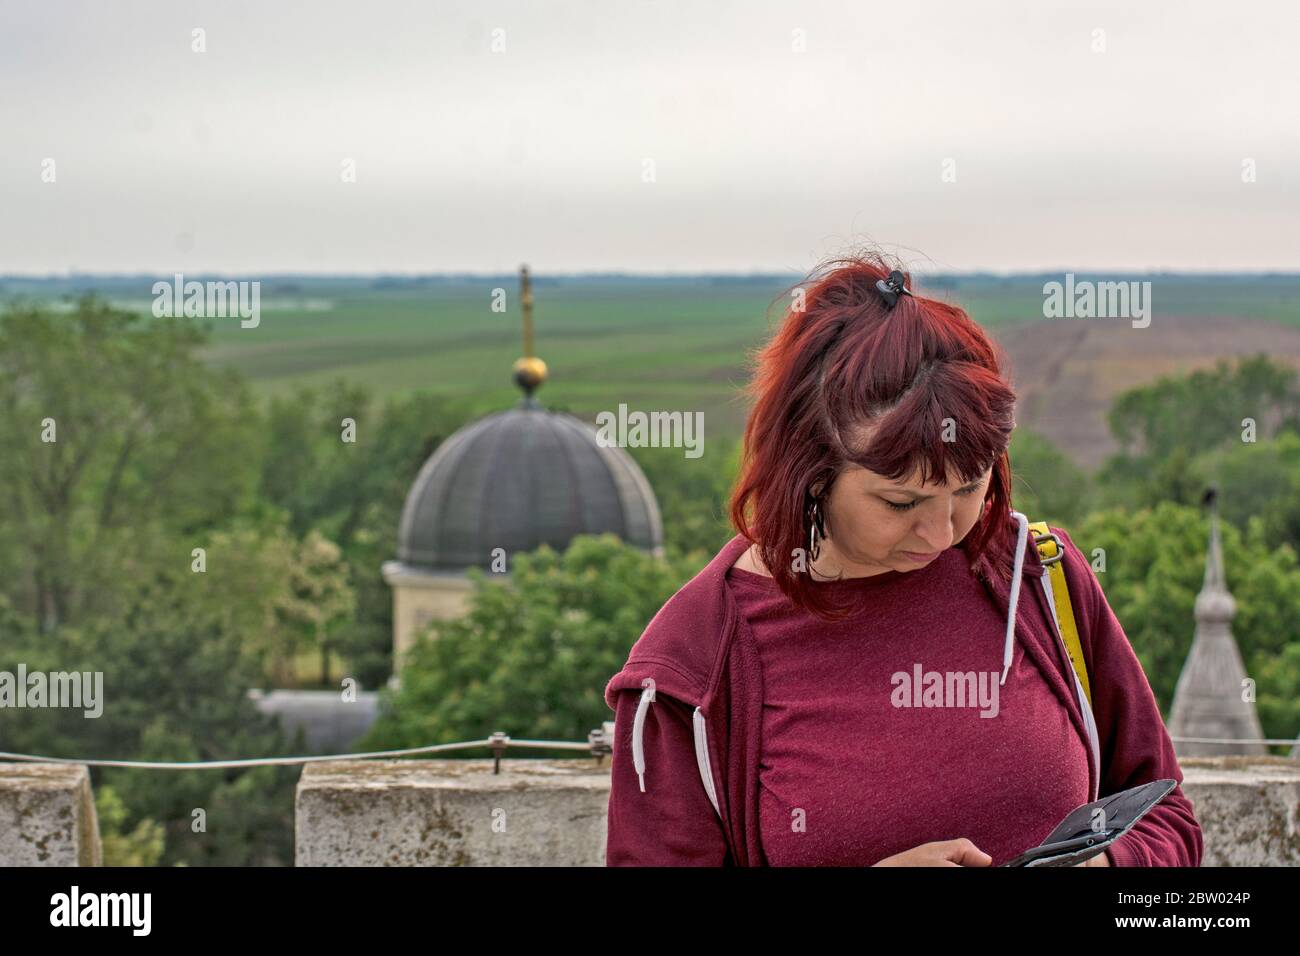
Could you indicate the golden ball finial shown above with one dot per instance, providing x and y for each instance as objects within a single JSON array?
[{"x": 530, "y": 373}]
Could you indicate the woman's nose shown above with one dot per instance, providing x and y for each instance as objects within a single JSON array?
[{"x": 936, "y": 533}]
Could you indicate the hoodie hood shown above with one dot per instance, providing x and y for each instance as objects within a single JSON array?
[{"x": 684, "y": 647}]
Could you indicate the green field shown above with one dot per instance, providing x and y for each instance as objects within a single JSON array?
[{"x": 662, "y": 343}]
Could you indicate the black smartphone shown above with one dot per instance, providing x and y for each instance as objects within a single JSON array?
[{"x": 1076, "y": 838}]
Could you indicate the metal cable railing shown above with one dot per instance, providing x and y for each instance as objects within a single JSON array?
[{"x": 599, "y": 743}]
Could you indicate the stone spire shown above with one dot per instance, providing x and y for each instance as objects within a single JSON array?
[{"x": 1211, "y": 698}]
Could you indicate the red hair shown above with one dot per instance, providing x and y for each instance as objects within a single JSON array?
[{"x": 842, "y": 361}]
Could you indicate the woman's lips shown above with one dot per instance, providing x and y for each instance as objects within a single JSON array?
[{"x": 922, "y": 557}]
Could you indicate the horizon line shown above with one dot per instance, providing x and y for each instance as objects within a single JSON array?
[{"x": 755, "y": 275}]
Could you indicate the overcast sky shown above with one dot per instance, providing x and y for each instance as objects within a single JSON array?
[{"x": 776, "y": 132}]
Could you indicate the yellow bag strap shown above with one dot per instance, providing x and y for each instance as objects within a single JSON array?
[{"x": 1051, "y": 552}]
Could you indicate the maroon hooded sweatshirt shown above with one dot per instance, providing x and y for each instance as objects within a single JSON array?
[{"x": 688, "y": 705}]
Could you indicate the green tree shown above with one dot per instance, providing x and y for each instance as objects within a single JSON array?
[
  {"x": 533, "y": 654},
  {"x": 284, "y": 595},
  {"x": 1258, "y": 479},
  {"x": 175, "y": 680},
  {"x": 1163, "y": 428},
  {"x": 111, "y": 431},
  {"x": 143, "y": 846},
  {"x": 693, "y": 494},
  {"x": 1045, "y": 484},
  {"x": 353, "y": 493},
  {"x": 319, "y": 597},
  {"x": 127, "y": 454}
]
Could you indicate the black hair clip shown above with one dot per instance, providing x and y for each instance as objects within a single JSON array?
[{"x": 890, "y": 289}]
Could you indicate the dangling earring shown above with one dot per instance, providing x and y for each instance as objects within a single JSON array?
[{"x": 817, "y": 526}]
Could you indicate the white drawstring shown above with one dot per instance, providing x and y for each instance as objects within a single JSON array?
[
  {"x": 638, "y": 751},
  {"x": 1021, "y": 537}
]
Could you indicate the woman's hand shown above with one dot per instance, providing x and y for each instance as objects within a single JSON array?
[
  {"x": 1099, "y": 860},
  {"x": 943, "y": 853}
]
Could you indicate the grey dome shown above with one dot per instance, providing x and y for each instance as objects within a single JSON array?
[{"x": 519, "y": 479}]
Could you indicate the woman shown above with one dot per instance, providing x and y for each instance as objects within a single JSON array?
[{"x": 772, "y": 712}]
